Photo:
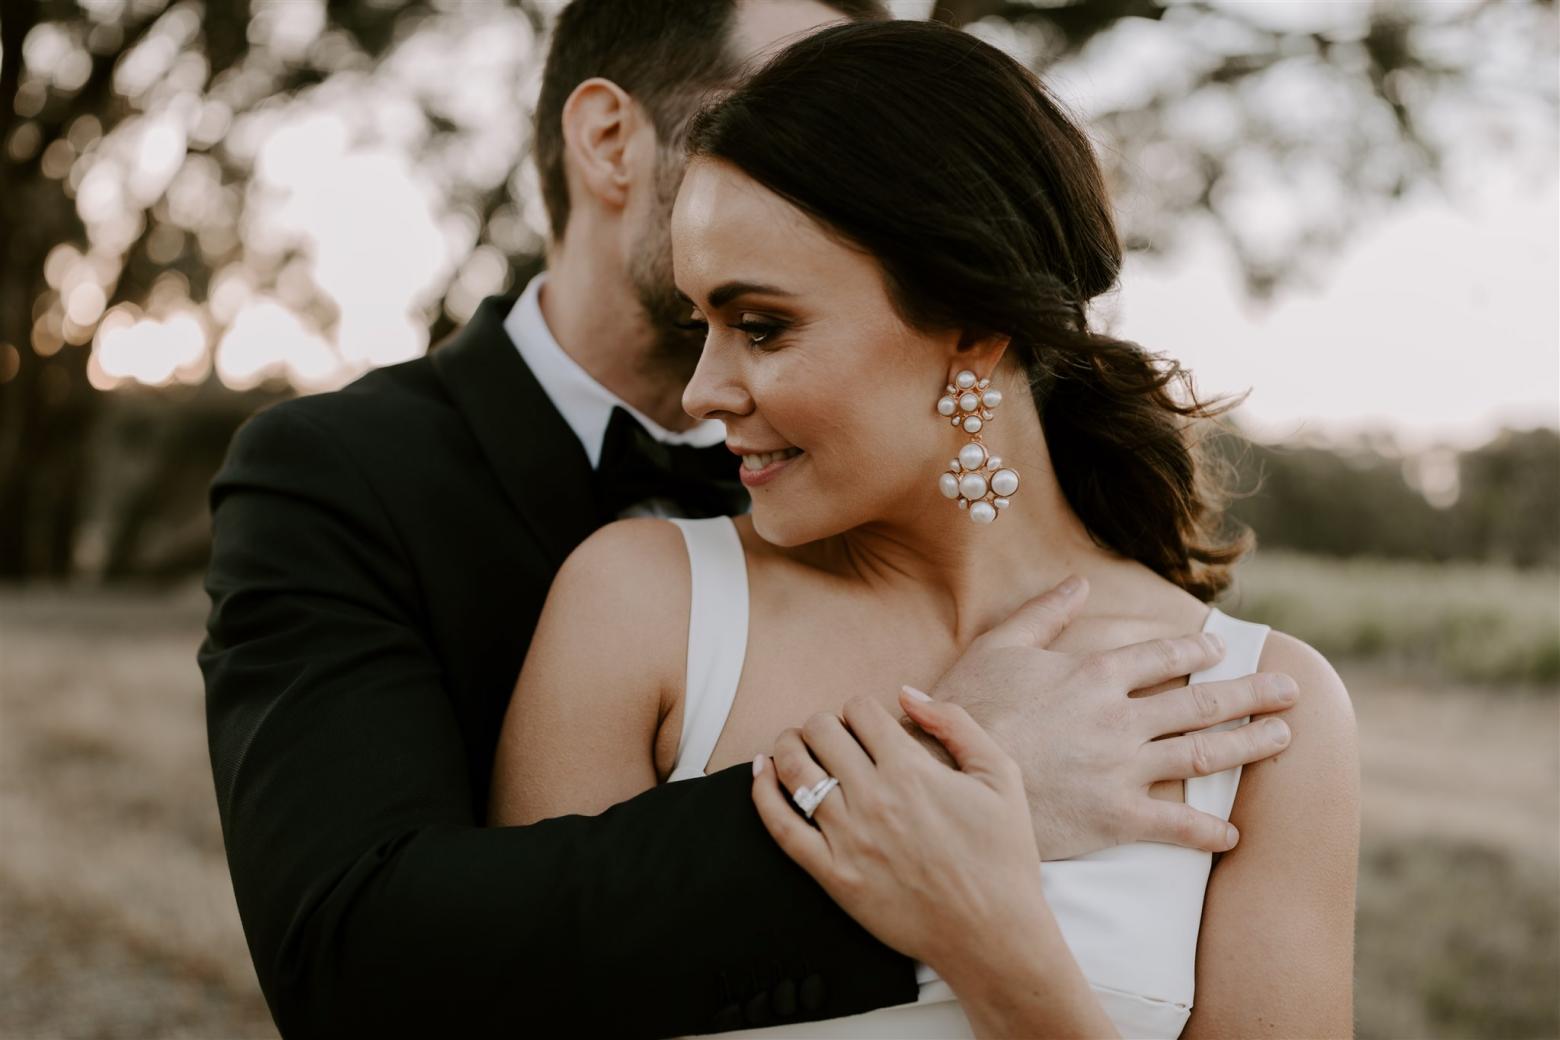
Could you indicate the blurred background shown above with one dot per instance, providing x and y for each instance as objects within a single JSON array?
[{"x": 1347, "y": 208}]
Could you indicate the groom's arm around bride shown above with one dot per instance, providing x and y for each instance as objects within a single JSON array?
[
  {"x": 380, "y": 558},
  {"x": 372, "y": 599}
]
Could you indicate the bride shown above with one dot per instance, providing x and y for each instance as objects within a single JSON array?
[{"x": 892, "y": 232}]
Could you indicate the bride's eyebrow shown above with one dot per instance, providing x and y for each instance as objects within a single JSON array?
[{"x": 728, "y": 291}]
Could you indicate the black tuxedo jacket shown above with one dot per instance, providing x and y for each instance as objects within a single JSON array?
[{"x": 381, "y": 556}]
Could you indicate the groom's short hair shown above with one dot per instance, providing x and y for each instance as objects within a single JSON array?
[{"x": 667, "y": 54}]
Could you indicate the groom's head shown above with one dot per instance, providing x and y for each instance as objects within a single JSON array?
[{"x": 622, "y": 80}]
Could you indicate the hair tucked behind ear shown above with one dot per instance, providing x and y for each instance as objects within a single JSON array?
[{"x": 951, "y": 164}]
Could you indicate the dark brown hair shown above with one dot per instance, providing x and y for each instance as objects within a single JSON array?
[
  {"x": 667, "y": 54},
  {"x": 984, "y": 205}
]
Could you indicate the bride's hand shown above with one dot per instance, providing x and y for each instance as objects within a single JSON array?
[{"x": 938, "y": 863}]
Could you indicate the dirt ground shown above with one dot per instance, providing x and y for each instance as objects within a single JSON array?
[{"x": 117, "y": 917}]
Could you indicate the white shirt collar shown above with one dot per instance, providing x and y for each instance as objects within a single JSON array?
[{"x": 585, "y": 404}]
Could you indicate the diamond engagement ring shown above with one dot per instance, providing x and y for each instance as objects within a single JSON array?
[{"x": 808, "y": 799}]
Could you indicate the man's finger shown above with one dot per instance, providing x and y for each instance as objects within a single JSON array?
[
  {"x": 792, "y": 833},
  {"x": 1039, "y": 621},
  {"x": 1176, "y": 823},
  {"x": 1200, "y": 754},
  {"x": 1142, "y": 665},
  {"x": 1201, "y": 705}
]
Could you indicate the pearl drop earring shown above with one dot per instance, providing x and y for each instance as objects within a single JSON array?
[{"x": 977, "y": 480}]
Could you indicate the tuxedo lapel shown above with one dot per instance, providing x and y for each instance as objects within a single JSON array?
[{"x": 538, "y": 459}]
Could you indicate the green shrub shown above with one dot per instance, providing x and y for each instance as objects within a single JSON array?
[{"x": 1474, "y": 622}]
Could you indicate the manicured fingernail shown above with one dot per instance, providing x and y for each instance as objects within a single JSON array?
[
  {"x": 1070, "y": 586},
  {"x": 758, "y": 764},
  {"x": 1278, "y": 731},
  {"x": 915, "y": 694}
]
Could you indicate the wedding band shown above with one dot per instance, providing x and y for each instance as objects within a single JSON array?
[{"x": 808, "y": 799}]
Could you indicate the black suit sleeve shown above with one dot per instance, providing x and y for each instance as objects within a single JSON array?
[{"x": 373, "y": 902}]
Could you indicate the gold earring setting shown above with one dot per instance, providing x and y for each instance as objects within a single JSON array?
[{"x": 976, "y": 480}]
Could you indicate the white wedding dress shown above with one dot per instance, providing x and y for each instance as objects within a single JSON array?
[{"x": 1130, "y": 914}]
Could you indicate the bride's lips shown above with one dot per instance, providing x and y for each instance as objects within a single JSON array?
[{"x": 753, "y": 478}]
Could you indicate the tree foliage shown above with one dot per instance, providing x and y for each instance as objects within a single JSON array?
[
  {"x": 129, "y": 189},
  {"x": 1501, "y": 502}
]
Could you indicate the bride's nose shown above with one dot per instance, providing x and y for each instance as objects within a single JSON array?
[{"x": 717, "y": 388}]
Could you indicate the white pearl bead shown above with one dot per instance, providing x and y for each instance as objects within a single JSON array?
[
  {"x": 982, "y": 513},
  {"x": 972, "y": 424},
  {"x": 1001, "y": 503},
  {"x": 991, "y": 398},
  {"x": 972, "y": 456},
  {"x": 1004, "y": 482},
  {"x": 963, "y": 504},
  {"x": 968, "y": 403},
  {"x": 964, "y": 380},
  {"x": 946, "y": 406},
  {"x": 948, "y": 484},
  {"x": 954, "y": 467},
  {"x": 983, "y": 383},
  {"x": 972, "y": 486},
  {"x": 995, "y": 461}
]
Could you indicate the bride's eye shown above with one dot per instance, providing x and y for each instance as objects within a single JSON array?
[{"x": 759, "y": 333}]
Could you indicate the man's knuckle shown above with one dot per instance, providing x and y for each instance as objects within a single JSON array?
[
  {"x": 1205, "y": 701},
  {"x": 1048, "y": 617},
  {"x": 1201, "y": 754},
  {"x": 1096, "y": 670},
  {"x": 1188, "y": 827}
]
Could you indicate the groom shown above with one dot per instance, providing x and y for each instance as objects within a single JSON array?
[{"x": 381, "y": 556}]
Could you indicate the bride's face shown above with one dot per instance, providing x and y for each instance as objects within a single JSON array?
[{"x": 824, "y": 389}]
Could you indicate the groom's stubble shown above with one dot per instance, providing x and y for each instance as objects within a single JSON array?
[{"x": 673, "y": 351}]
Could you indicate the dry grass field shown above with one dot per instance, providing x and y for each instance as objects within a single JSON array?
[{"x": 117, "y": 919}]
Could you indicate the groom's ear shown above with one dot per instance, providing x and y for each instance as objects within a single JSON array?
[
  {"x": 980, "y": 350},
  {"x": 602, "y": 125}
]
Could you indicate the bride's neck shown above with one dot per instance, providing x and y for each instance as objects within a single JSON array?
[{"x": 972, "y": 576}]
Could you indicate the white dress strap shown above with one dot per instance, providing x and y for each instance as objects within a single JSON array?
[
  {"x": 1243, "y": 641},
  {"x": 717, "y": 637}
]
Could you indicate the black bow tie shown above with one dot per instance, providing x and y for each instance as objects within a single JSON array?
[{"x": 635, "y": 466}]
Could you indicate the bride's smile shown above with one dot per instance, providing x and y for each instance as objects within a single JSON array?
[
  {"x": 891, "y": 293},
  {"x": 829, "y": 396}
]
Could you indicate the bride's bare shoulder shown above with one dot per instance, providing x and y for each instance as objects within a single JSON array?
[
  {"x": 639, "y": 548},
  {"x": 627, "y": 586},
  {"x": 1322, "y": 718}
]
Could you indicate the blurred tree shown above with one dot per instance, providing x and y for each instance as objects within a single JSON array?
[
  {"x": 1503, "y": 503},
  {"x": 1508, "y": 504},
  {"x": 1352, "y": 502},
  {"x": 128, "y": 149}
]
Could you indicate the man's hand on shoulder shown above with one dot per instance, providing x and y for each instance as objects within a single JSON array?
[{"x": 1089, "y": 752}]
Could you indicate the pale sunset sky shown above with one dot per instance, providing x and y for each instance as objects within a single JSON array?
[{"x": 1436, "y": 321}]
